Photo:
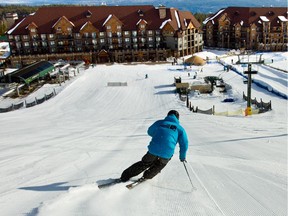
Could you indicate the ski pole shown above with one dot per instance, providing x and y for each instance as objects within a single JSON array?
[{"x": 193, "y": 188}]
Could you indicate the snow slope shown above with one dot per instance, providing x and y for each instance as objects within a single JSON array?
[{"x": 52, "y": 156}]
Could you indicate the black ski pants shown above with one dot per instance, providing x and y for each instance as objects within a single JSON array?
[{"x": 150, "y": 163}]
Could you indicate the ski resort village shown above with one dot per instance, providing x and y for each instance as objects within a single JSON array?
[{"x": 80, "y": 87}]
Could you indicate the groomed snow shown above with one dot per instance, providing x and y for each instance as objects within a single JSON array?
[{"x": 53, "y": 155}]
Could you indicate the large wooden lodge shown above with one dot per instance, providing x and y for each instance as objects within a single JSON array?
[
  {"x": 104, "y": 34},
  {"x": 262, "y": 29}
]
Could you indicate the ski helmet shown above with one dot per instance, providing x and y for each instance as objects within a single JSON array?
[{"x": 173, "y": 112}]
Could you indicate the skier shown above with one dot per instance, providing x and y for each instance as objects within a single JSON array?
[{"x": 165, "y": 135}]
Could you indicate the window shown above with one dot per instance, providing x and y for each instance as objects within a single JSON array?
[
  {"x": 51, "y": 36},
  {"x": 26, "y": 44},
  {"x": 102, "y": 41},
  {"x": 59, "y": 30},
  {"x": 94, "y": 41},
  {"x": 33, "y": 30},
  {"x": 69, "y": 29},
  {"x": 150, "y": 32},
  {"x": 44, "y": 44},
  {"x": 108, "y": 27},
  {"x": 43, "y": 36},
  {"x": 119, "y": 34},
  {"x": 135, "y": 40},
  {"x": 102, "y": 34},
  {"x": 134, "y": 33},
  {"x": 77, "y": 35},
  {"x": 142, "y": 26},
  {"x": 93, "y": 34},
  {"x": 18, "y": 45},
  {"x": 150, "y": 39},
  {"x": 52, "y": 43},
  {"x": 158, "y": 38},
  {"x": 109, "y": 34},
  {"x": 35, "y": 44},
  {"x": 86, "y": 34},
  {"x": 120, "y": 41},
  {"x": 10, "y": 37},
  {"x": 126, "y": 33},
  {"x": 17, "y": 37},
  {"x": 118, "y": 26},
  {"x": 127, "y": 40},
  {"x": 25, "y": 37}
]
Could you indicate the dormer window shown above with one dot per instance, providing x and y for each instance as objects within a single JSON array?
[
  {"x": 140, "y": 13},
  {"x": 88, "y": 14}
]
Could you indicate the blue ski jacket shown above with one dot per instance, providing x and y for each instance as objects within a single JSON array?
[{"x": 165, "y": 135}]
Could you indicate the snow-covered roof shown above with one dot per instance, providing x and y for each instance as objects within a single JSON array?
[
  {"x": 11, "y": 30},
  {"x": 164, "y": 23},
  {"x": 185, "y": 22},
  {"x": 62, "y": 18},
  {"x": 211, "y": 18},
  {"x": 282, "y": 18},
  {"x": 264, "y": 19},
  {"x": 141, "y": 21},
  {"x": 108, "y": 18},
  {"x": 177, "y": 19},
  {"x": 84, "y": 26}
]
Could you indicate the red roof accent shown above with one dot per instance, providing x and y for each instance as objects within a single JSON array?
[
  {"x": 249, "y": 15},
  {"x": 46, "y": 17}
]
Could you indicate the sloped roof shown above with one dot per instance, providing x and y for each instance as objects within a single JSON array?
[
  {"x": 33, "y": 71},
  {"x": 248, "y": 15},
  {"x": 195, "y": 60},
  {"x": 46, "y": 17}
]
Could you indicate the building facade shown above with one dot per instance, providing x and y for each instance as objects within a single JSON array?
[
  {"x": 106, "y": 33},
  {"x": 263, "y": 29}
]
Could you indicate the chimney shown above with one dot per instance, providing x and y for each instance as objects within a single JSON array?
[{"x": 162, "y": 11}]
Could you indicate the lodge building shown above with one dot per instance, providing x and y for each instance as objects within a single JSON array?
[
  {"x": 105, "y": 34},
  {"x": 262, "y": 29}
]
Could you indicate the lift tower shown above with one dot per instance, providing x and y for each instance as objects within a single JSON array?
[{"x": 249, "y": 73}]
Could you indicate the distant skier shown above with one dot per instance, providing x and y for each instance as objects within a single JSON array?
[{"x": 165, "y": 135}]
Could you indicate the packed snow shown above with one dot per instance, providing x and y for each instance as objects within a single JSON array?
[{"x": 53, "y": 155}]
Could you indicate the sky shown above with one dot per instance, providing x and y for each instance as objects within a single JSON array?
[
  {"x": 54, "y": 155},
  {"x": 210, "y": 6}
]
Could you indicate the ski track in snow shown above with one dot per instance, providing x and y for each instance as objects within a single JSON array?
[{"x": 53, "y": 154}]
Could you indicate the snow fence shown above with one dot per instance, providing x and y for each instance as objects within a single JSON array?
[{"x": 26, "y": 104}]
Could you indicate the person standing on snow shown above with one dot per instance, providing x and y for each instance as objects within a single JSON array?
[{"x": 165, "y": 135}]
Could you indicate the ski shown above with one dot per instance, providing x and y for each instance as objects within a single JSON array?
[
  {"x": 134, "y": 184},
  {"x": 112, "y": 182}
]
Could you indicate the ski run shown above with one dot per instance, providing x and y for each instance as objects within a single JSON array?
[{"x": 54, "y": 155}]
